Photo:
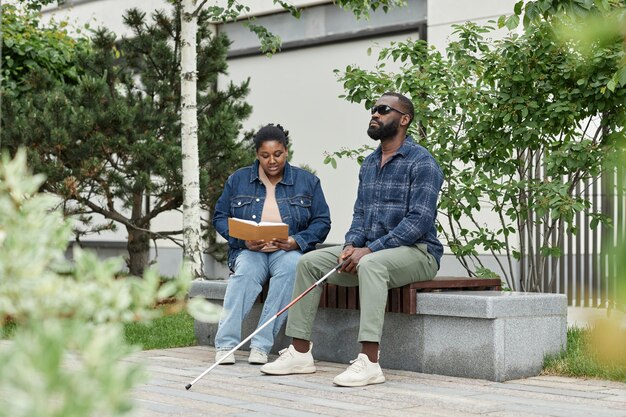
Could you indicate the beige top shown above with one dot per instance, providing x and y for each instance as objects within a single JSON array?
[{"x": 270, "y": 206}]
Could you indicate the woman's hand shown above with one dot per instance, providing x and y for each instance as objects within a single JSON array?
[
  {"x": 286, "y": 244},
  {"x": 255, "y": 245}
]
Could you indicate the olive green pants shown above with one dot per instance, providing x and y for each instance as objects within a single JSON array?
[{"x": 376, "y": 273}]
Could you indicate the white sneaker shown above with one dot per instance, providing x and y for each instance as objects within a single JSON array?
[
  {"x": 290, "y": 361},
  {"x": 229, "y": 360},
  {"x": 257, "y": 357},
  {"x": 362, "y": 372}
]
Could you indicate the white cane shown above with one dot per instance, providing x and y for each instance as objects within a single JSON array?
[{"x": 267, "y": 323}]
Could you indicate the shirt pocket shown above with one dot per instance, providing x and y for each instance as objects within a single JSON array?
[
  {"x": 241, "y": 207},
  {"x": 300, "y": 208},
  {"x": 395, "y": 195}
]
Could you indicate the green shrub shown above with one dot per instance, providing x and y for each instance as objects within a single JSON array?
[{"x": 54, "y": 309}]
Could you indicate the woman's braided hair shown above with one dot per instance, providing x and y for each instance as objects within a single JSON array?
[{"x": 271, "y": 132}]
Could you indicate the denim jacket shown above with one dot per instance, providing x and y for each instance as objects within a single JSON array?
[{"x": 300, "y": 201}]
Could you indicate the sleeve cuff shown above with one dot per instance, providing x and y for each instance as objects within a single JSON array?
[
  {"x": 375, "y": 246},
  {"x": 301, "y": 243}
]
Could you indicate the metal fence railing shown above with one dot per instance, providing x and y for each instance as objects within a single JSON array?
[{"x": 586, "y": 271}]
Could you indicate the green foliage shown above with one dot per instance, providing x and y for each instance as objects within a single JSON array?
[
  {"x": 358, "y": 154},
  {"x": 583, "y": 24},
  {"x": 28, "y": 47},
  {"x": 232, "y": 10},
  {"x": 35, "y": 382},
  {"x": 7, "y": 330},
  {"x": 270, "y": 43},
  {"x": 109, "y": 144},
  {"x": 486, "y": 273},
  {"x": 38, "y": 4},
  {"x": 516, "y": 125},
  {"x": 56, "y": 309}
]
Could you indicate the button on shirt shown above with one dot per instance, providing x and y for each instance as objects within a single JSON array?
[{"x": 397, "y": 203}]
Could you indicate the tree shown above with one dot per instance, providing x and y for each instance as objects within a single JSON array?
[
  {"x": 110, "y": 144},
  {"x": 189, "y": 140},
  {"x": 513, "y": 124}
]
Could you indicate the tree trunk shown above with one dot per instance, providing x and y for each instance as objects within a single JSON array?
[
  {"x": 138, "y": 251},
  {"x": 138, "y": 243},
  {"x": 189, "y": 140}
]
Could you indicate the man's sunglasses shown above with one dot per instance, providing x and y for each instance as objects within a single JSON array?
[{"x": 384, "y": 109}]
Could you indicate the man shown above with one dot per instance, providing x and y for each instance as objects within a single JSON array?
[{"x": 392, "y": 242}]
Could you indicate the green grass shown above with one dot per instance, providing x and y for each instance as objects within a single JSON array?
[
  {"x": 170, "y": 331},
  {"x": 175, "y": 330},
  {"x": 582, "y": 357}
]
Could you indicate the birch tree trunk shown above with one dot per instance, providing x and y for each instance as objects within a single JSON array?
[{"x": 189, "y": 140}]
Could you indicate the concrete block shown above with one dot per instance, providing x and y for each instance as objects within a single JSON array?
[
  {"x": 491, "y": 304},
  {"x": 497, "y": 336}
]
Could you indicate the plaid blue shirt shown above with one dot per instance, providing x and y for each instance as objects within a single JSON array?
[{"x": 396, "y": 205}]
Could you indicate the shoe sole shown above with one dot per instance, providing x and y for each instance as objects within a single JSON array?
[
  {"x": 375, "y": 380},
  {"x": 295, "y": 370},
  {"x": 257, "y": 362}
]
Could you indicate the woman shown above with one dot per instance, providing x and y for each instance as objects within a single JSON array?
[{"x": 274, "y": 191}]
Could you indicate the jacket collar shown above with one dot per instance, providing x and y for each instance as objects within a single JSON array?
[{"x": 287, "y": 174}]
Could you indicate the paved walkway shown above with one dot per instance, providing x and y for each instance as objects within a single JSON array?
[{"x": 241, "y": 390}]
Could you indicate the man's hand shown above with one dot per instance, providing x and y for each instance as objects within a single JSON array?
[{"x": 352, "y": 256}]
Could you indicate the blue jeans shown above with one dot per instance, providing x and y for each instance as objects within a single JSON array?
[{"x": 252, "y": 271}]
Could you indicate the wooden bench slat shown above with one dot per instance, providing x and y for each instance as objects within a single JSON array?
[
  {"x": 396, "y": 302},
  {"x": 353, "y": 298},
  {"x": 324, "y": 296},
  {"x": 456, "y": 282},
  {"x": 404, "y": 299},
  {"x": 342, "y": 297},
  {"x": 399, "y": 300},
  {"x": 331, "y": 299},
  {"x": 409, "y": 300}
]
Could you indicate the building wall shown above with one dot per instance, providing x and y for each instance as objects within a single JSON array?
[
  {"x": 298, "y": 87},
  {"x": 443, "y": 14}
]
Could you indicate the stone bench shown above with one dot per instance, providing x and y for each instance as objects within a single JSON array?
[{"x": 490, "y": 335}]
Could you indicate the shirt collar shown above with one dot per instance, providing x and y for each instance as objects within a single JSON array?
[{"x": 403, "y": 150}]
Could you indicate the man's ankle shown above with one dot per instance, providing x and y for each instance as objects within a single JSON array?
[
  {"x": 370, "y": 349},
  {"x": 301, "y": 345}
]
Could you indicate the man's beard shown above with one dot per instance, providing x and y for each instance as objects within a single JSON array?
[{"x": 383, "y": 131}]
